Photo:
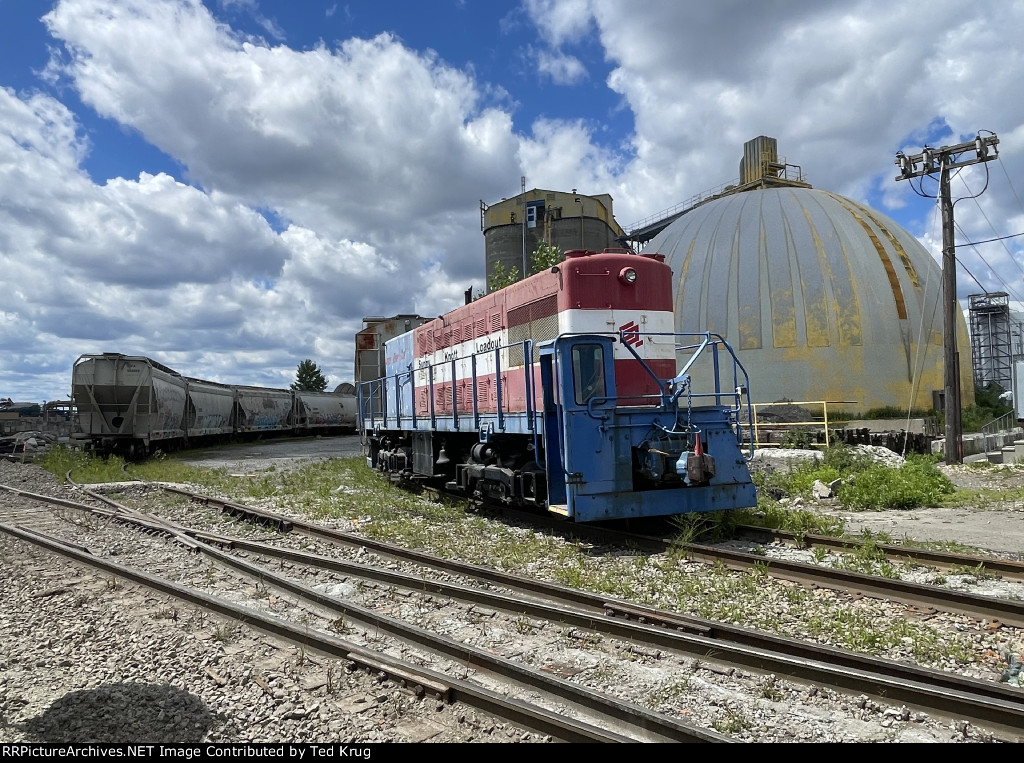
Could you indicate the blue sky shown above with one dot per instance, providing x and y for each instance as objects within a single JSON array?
[{"x": 230, "y": 186}]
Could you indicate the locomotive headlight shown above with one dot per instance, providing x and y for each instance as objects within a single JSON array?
[{"x": 628, "y": 275}]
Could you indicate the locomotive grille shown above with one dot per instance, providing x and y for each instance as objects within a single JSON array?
[{"x": 538, "y": 321}]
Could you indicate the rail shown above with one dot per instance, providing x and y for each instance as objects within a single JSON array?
[
  {"x": 460, "y": 398},
  {"x": 818, "y": 422}
]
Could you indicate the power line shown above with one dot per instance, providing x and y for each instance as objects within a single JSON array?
[
  {"x": 990, "y": 225},
  {"x": 999, "y": 238},
  {"x": 995, "y": 273}
]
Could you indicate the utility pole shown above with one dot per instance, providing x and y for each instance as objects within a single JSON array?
[{"x": 942, "y": 160}]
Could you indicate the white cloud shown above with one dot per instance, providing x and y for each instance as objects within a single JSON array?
[
  {"x": 562, "y": 69},
  {"x": 842, "y": 86},
  {"x": 304, "y": 132},
  {"x": 560, "y": 21}
]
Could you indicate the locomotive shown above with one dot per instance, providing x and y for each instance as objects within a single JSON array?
[
  {"x": 131, "y": 404},
  {"x": 570, "y": 392}
]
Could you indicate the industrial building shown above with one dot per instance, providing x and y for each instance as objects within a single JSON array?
[{"x": 822, "y": 298}]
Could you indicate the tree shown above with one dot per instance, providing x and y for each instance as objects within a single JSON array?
[
  {"x": 309, "y": 378},
  {"x": 545, "y": 257},
  {"x": 500, "y": 278}
]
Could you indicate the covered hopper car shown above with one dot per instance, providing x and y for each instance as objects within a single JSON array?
[
  {"x": 132, "y": 404},
  {"x": 568, "y": 391}
]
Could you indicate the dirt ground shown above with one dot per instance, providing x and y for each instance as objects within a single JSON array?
[{"x": 279, "y": 453}]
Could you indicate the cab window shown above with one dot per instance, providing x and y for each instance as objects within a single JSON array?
[{"x": 588, "y": 372}]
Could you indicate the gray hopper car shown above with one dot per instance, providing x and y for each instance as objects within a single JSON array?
[{"x": 132, "y": 404}]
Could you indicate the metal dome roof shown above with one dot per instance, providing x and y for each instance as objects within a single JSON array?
[{"x": 822, "y": 298}]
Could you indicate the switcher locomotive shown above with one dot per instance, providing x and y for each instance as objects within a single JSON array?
[{"x": 569, "y": 391}]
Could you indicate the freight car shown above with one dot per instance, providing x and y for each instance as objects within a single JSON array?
[
  {"x": 131, "y": 404},
  {"x": 568, "y": 391}
]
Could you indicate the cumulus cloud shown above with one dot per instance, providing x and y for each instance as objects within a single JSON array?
[
  {"x": 320, "y": 185},
  {"x": 308, "y": 133},
  {"x": 841, "y": 85}
]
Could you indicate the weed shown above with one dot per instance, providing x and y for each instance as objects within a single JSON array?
[
  {"x": 733, "y": 723},
  {"x": 868, "y": 558},
  {"x": 523, "y": 626},
  {"x": 599, "y": 674},
  {"x": 573, "y": 576},
  {"x": 820, "y": 554},
  {"x": 84, "y": 467},
  {"x": 972, "y": 574},
  {"x": 760, "y": 570},
  {"x": 669, "y": 693},
  {"x": 770, "y": 688},
  {"x": 917, "y": 482},
  {"x": 799, "y": 438},
  {"x": 340, "y": 626},
  {"x": 771, "y": 513}
]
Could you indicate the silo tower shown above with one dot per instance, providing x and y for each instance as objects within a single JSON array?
[{"x": 513, "y": 228}]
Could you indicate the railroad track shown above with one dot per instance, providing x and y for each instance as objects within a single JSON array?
[
  {"x": 1007, "y": 568},
  {"x": 934, "y": 691},
  {"x": 926, "y": 598},
  {"x": 988, "y": 705},
  {"x": 592, "y": 716}
]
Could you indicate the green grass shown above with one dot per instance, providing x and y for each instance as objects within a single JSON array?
[
  {"x": 84, "y": 468},
  {"x": 865, "y": 485},
  {"x": 917, "y": 482},
  {"x": 770, "y": 513}
]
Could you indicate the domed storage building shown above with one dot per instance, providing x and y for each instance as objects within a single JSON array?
[{"x": 822, "y": 298}]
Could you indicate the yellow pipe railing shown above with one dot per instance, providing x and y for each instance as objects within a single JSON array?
[{"x": 823, "y": 421}]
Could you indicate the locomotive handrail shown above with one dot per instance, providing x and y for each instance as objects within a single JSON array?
[
  {"x": 714, "y": 341},
  {"x": 370, "y": 416},
  {"x": 497, "y": 388},
  {"x": 430, "y": 396},
  {"x": 455, "y": 399}
]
